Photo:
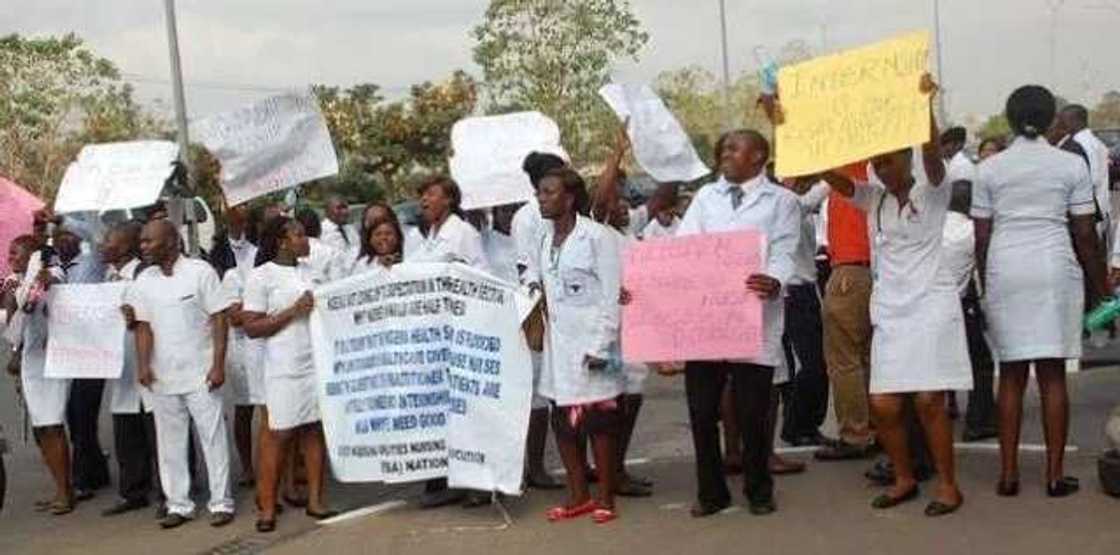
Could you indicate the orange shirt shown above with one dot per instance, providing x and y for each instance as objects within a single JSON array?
[{"x": 848, "y": 242}]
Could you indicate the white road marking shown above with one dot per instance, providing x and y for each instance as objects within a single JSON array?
[{"x": 364, "y": 511}]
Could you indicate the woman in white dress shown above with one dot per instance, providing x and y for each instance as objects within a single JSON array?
[
  {"x": 579, "y": 264},
  {"x": 45, "y": 398},
  {"x": 443, "y": 235},
  {"x": 919, "y": 347},
  {"x": 1026, "y": 202},
  {"x": 276, "y": 306}
]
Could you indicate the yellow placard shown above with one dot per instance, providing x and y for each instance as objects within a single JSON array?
[{"x": 853, "y": 105}]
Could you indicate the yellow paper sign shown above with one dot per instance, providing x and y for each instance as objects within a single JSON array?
[{"x": 853, "y": 105}]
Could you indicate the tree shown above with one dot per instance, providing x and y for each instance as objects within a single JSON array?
[
  {"x": 380, "y": 144},
  {"x": 1107, "y": 112},
  {"x": 58, "y": 95},
  {"x": 996, "y": 127},
  {"x": 553, "y": 56}
]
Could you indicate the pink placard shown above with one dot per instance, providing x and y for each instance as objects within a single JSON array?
[
  {"x": 689, "y": 299},
  {"x": 16, "y": 209}
]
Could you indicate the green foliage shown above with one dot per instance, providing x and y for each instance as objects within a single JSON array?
[
  {"x": 381, "y": 144},
  {"x": 553, "y": 56},
  {"x": 55, "y": 96},
  {"x": 995, "y": 127}
]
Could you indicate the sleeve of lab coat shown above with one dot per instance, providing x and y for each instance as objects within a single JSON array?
[
  {"x": 784, "y": 237},
  {"x": 605, "y": 328}
]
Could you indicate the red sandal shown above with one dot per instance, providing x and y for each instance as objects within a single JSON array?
[
  {"x": 602, "y": 515},
  {"x": 556, "y": 514}
]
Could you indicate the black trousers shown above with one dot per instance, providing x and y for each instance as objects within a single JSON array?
[
  {"x": 805, "y": 397},
  {"x": 981, "y": 400},
  {"x": 134, "y": 437},
  {"x": 751, "y": 386},
  {"x": 90, "y": 469}
]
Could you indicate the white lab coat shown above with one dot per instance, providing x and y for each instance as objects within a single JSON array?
[
  {"x": 919, "y": 341},
  {"x": 126, "y": 394},
  {"x": 46, "y": 398},
  {"x": 582, "y": 281},
  {"x": 454, "y": 241}
]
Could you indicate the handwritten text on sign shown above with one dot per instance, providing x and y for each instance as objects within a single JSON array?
[
  {"x": 850, "y": 106},
  {"x": 274, "y": 144},
  {"x": 87, "y": 331},
  {"x": 689, "y": 298},
  {"x": 423, "y": 373}
]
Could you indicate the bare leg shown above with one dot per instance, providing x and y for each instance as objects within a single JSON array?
[
  {"x": 56, "y": 454},
  {"x": 314, "y": 455},
  {"x": 273, "y": 454},
  {"x": 732, "y": 439},
  {"x": 890, "y": 427},
  {"x": 932, "y": 412},
  {"x": 1012, "y": 384},
  {"x": 1051, "y": 375},
  {"x": 536, "y": 440},
  {"x": 604, "y": 444},
  {"x": 243, "y": 438},
  {"x": 572, "y": 454}
]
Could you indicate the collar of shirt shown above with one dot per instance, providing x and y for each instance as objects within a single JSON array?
[{"x": 751, "y": 188}]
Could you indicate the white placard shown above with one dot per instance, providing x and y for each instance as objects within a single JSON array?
[
  {"x": 269, "y": 146},
  {"x": 660, "y": 144},
  {"x": 488, "y": 153},
  {"x": 115, "y": 176},
  {"x": 423, "y": 373},
  {"x": 86, "y": 331}
]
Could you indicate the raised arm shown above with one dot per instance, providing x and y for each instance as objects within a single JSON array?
[
  {"x": 608, "y": 191},
  {"x": 931, "y": 150}
]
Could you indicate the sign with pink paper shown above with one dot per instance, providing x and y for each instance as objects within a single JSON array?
[
  {"x": 16, "y": 217},
  {"x": 689, "y": 299}
]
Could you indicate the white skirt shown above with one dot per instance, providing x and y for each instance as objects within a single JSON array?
[
  {"x": 292, "y": 401},
  {"x": 245, "y": 373},
  {"x": 46, "y": 398},
  {"x": 921, "y": 348}
]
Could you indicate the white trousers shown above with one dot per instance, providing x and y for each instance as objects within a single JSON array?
[{"x": 173, "y": 415}]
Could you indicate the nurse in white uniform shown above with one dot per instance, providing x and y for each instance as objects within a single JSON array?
[
  {"x": 381, "y": 247},
  {"x": 580, "y": 272},
  {"x": 277, "y": 303},
  {"x": 444, "y": 236},
  {"x": 919, "y": 346},
  {"x": 45, "y": 398},
  {"x": 1026, "y": 201}
]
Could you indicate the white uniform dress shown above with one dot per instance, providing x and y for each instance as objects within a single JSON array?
[
  {"x": 45, "y": 397},
  {"x": 1035, "y": 297},
  {"x": 654, "y": 229},
  {"x": 454, "y": 241},
  {"x": 126, "y": 394},
  {"x": 290, "y": 385},
  {"x": 581, "y": 280},
  {"x": 919, "y": 340}
]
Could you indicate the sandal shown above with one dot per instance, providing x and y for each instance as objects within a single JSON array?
[
  {"x": 603, "y": 516},
  {"x": 937, "y": 508},
  {"x": 266, "y": 526},
  {"x": 59, "y": 508},
  {"x": 886, "y": 501},
  {"x": 43, "y": 505},
  {"x": 557, "y": 514},
  {"x": 1063, "y": 487}
]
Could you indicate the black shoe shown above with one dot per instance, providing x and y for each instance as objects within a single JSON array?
[
  {"x": 125, "y": 506},
  {"x": 173, "y": 520},
  {"x": 886, "y": 501},
  {"x": 221, "y": 518},
  {"x": 329, "y": 513},
  {"x": 266, "y": 526},
  {"x": 441, "y": 498},
  {"x": 701, "y": 510},
  {"x": 629, "y": 487},
  {"x": 881, "y": 473},
  {"x": 811, "y": 439},
  {"x": 161, "y": 511},
  {"x": 1063, "y": 488},
  {"x": 979, "y": 434},
  {"x": 843, "y": 451},
  {"x": 760, "y": 507},
  {"x": 1007, "y": 489}
]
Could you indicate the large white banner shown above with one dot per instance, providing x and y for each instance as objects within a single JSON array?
[
  {"x": 488, "y": 152},
  {"x": 660, "y": 144},
  {"x": 274, "y": 144},
  {"x": 424, "y": 373},
  {"x": 86, "y": 331},
  {"x": 115, "y": 176}
]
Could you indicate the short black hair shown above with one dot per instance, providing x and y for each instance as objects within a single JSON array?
[
  {"x": 537, "y": 164},
  {"x": 271, "y": 236},
  {"x": 312, "y": 224},
  {"x": 1030, "y": 110},
  {"x": 573, "y": 185},
  {"x": 449, "y": 188},
  {"x": 1077, "y": 113},
  {"x": 954, "y": 135}
]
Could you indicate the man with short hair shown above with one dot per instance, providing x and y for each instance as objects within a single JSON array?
[
  {"x": 181, "y": 333},
  {"x": 1075, "y": 119},
  {"x": 338, "y": 233}
]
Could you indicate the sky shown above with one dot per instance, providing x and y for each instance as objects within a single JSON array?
[{"x": 237, "y": 51}]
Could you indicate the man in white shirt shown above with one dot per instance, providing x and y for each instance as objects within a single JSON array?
[
  {"x": 338, "y": 233},
  {"x": 959, "y": 166},
  {"x": 181, "y": 333},
  {"x": 1075, "y": 118},
  {"x": 743, "y": 198}
]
